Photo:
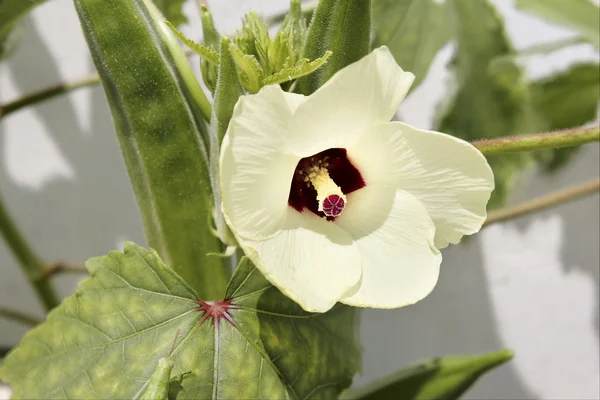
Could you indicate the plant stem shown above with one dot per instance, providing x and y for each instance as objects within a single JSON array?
[
  {"x": 38, "y": 96},
  {"x": 47, "y": 93},
  {"x": 30, "y": 263},
  {"x": 544, "y": 202},
  {"x": 61, "y": 267},
  {"x": 19, "y": 317},
  {"x": 538, "y": 141}
]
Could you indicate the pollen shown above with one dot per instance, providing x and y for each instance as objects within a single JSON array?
[{"x": 330, "y": 197}]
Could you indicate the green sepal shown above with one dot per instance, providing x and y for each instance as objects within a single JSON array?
[
  {"x": 287, "y": 46},
  {"x": 254, "y": 39},
  {"x": 439, "y": 379},
  {"x": 153, "y": 93},
  {"x": 228, "y": 91},
  {"x": 205, "y": 52},
  {"x": 212, "y": 40},
  {"x": 211, "y": 37},
  {"x": 251, "y": 73},
  {"x": 340, "y": 26},
  {"x": 303, "y": 67}
]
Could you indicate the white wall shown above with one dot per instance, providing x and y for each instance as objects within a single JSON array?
[{"x": 531, "y": 285}]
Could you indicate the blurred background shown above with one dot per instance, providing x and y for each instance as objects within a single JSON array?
[{"x": 531, "y": 285}]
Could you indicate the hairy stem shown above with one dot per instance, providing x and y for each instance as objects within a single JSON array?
[
  {"x": 47, "y": 93},
  {"x": 538, "y": 141},
  {"x": 19, "y": 317},
  {"x": 30, "y": 263},
  {"x": 544, "y": 202}
]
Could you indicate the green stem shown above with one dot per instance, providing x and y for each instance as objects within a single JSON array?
[
  {"x": 30, "y": 263},
  {"x": 46, "y": 93},
  {"x": 538, "y": 141},
  {"x": 544, "y": 202},
  {"x": 63, "y": 88},
  {"x": 61, "y": 267},
  {"x": 19, "y": 317}
]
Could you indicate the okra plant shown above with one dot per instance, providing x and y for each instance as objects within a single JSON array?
[{"x": 279, "y": 195}]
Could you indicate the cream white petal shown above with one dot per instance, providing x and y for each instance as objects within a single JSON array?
[
  {"x": 311, "y": 260},
  {"x": 255, "y": 173},
  {"x": 365, "y": 93},
  {"x": 394, "y": 235},
  {"x": 448, "y": 175}
]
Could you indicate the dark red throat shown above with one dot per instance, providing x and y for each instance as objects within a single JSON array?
[{"x": 344, "y": 174}]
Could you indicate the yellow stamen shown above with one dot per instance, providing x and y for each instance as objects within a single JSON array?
[{"x": 325, "y": 187}]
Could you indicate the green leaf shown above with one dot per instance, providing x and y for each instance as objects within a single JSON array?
[
  {"x": 485, "y": 104},
  {"x": 302, "y": 68},
  {"x": 444, "y": 378},
  {"x": 582, "y": 16},
  {"x": 11, "y": 12},
  {"x": 507, "y": 60},
  {"x": 414, "y": 31},
  {"x": 206, "y": 53},
  {"x": 107, "y": 339},
  {"x": 565, "y": 100},
  {"x": 152, "y": 93},
  {"x": 342, "y": 27},
  {"x": 172, "y": 10}
]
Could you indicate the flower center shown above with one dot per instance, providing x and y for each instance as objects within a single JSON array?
[
  {"x": 330, "y": 197},
  {"x": 322, "y": 181}
]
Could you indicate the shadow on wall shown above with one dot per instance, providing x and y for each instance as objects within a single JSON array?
[
  {"x": 66, "y": 220},
  {"x": 579, "y": 250}
]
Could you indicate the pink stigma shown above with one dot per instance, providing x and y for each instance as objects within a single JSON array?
[{"x": 333, "y": 205}]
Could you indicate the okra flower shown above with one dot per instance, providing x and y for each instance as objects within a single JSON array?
[{"x": 333, "y": 202}]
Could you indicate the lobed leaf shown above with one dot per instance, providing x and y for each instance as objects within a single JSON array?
[
  {"x": 413, "y": 30},
  {"x": 485, "y": 104},
  {"x": 582, "y": 16},
  {"x": 565, "y": 100},
  {"x": 106, "y": 340}
]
